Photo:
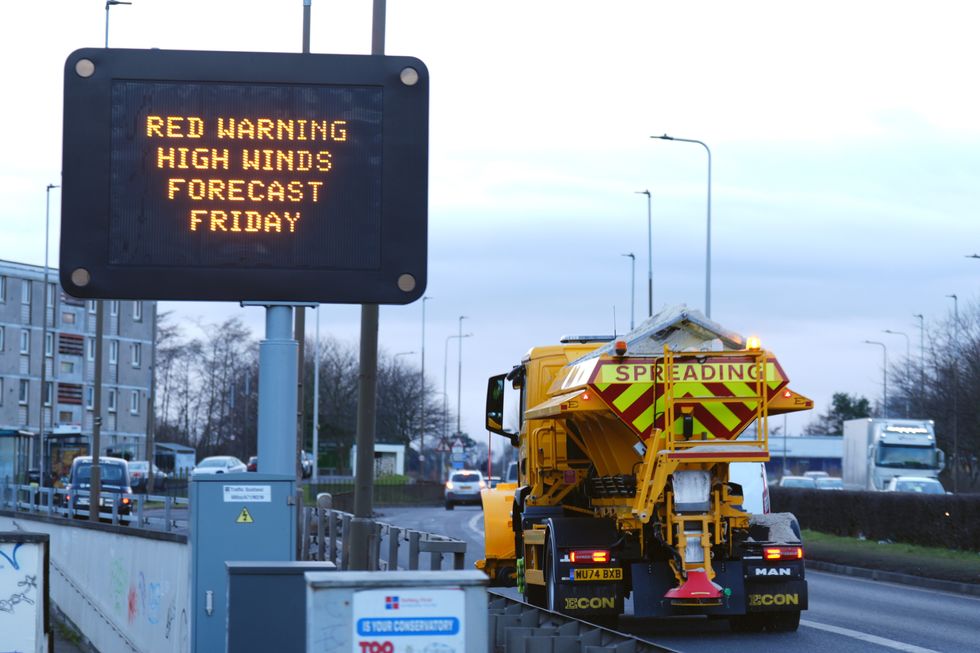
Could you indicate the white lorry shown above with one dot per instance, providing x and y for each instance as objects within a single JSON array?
[{"x": 877, "y": 449}]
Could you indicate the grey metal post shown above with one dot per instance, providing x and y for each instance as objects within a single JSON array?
[
  {"x": 95, "y": 488},
  {"x": 459, "y": 378},
  {"x": 367, "y": 386},
  {"x": 300, "y": 337},
  {"x": 707, "y": 263},
  {"x": 649, "y": 253},
  {"x": 884, "y": 376},
  {"x": 956, "y": 394},
  {"x": 316, "y": 401},
  {"x": 151, "y": 404},
  {"x": 41, "y": 458},
  {"x": 632, "y": 258},
  {"x": 366, "y": 416},
  {"x": 422, "y": 399},
  {"x": 277, "y": 393},
  {"x": 922, "y": 351}
]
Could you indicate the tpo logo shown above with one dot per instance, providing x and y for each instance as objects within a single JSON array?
[{"x": 391, "y": 603}]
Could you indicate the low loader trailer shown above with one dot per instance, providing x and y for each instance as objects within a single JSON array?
[{"x": 623, "y": 483}]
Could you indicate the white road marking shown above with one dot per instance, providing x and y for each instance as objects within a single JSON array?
[
  {"x": 475, "y": 524},
  {"x": 865, "y": 637}
]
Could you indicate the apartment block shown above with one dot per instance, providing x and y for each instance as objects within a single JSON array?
[{"x": 58, "y": 331}]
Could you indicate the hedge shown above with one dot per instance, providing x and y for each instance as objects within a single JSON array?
[{"x": 947, "y": 520}]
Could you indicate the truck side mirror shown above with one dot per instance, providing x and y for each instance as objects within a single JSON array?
[
  {"x": 940, "y": 459},
  {"x": 495, "y": 408}
]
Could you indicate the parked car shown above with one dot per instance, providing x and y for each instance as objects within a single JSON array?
[
  {"x": 464, "y": 486},
  {"x": 816, "y": 474},
  {"x": 139, "y": 476},
  {"x": 920, "y": 484},
  {"x": 253, "y": 464},
  {"x": 830, "y": 483},
  {"x": 114, "y": 484},
  {"x": 798, "y": 481},
  {"x": 219, "y": 465}
]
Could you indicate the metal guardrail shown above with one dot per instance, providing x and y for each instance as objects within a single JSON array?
[
  {"x": 516, "y": 627},
  {"x": 57, "y": 501},
  {"x": 326, "y": 538}
]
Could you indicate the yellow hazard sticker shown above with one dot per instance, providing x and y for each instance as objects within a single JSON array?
[{"x": 244, "y": 517}]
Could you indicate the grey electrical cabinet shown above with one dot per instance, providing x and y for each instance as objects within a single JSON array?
[{"x": 238, "y": 517}]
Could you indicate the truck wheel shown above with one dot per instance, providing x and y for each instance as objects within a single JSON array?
[
  {"x": 552, "y": 582},
  {"x": 783, "y": 622}
]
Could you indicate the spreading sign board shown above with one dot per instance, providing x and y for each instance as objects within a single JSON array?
[{"x": 244, "y": 176}]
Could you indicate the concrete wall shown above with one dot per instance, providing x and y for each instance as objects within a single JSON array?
[{"x": 125, "y": 592}]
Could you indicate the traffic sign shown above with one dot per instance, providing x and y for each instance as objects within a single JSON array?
[{"x": 244, "y": 176}]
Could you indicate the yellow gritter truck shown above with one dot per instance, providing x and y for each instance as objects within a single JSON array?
[{"x": 623, "y": 486}]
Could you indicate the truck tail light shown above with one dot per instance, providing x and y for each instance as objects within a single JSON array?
[
  {"x": 783, "y": 553},
  {"x": 589, "y": 556},
  {"x": 125, "y": 501}
]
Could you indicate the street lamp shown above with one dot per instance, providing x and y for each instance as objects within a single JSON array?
[
  {"x": 707, "y": 264},
  {"x": 922, "y": 349},
  {"x": 402, "y": 353},
  {"x": 649, "y": 254},
  {"x": 973, "y": 256},
  {"x": 110, "y": 3},
  {"x": 422, "y": 398},
  {"x": 884, "y": 376},
  {"x": 445, "y": 375},
  {"x": 44, "y": 336},
  {"x": 459, "y": 377},
  {"x": 908, "y": 363},
  {"x": 956, "y": 392},
  {"x": 632, "y": 258}
]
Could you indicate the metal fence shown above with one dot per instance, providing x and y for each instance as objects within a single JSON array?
[
  {"x": 324, "y": 536},
  {"x": 157, "y": 512},
  {"x": 384, "y": 494}
]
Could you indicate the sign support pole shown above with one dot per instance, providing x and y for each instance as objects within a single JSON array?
[{"x": 367, "y": 390}]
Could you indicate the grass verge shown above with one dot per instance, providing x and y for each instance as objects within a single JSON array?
[{"x": 928, "y": 562}]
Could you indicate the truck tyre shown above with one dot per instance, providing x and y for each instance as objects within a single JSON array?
[
  {"x": 551, "y": 587},
  {"x": 783, "y": 622}
]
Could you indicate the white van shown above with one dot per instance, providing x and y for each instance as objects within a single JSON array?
[{"x": 755, "y": 486}]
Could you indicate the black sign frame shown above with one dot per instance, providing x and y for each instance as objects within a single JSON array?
[{"x": 86, "y": 262}]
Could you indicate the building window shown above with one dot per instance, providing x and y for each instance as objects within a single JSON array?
[
  {"x": 51, "y": 291},
  {"x": 137, "y": 354},
  {"x": 1, "y": 388},
  {"x": 89, "y": 397},
  {"x": 22, "y": 394},
  {"x": 138, "y": 311},
  {"x": 25, "y": 341},
  {"x": 90, "y": 349},
  {"x": 49, "y": 345},
  {"x": 68, "y": 317},
  {"x": 65, "y": 416},
  {"x": 113, "y": 352},
  {"x": 3, "y": 289},
  {"x": 91, "y": 306},
  {"x": 111, "y": 400},
  {"x": 134, "y": 402},
  {"x": 25, "y": 291},
  {"x": 48, "y": 392},
  {"x": 113, "y": 307},
  {"x": 1, "y": 338}
]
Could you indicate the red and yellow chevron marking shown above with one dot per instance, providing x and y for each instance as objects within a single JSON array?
[{"x": 634, "y": 389}]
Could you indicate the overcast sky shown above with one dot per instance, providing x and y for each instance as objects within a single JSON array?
[{"x": 845, "y": 164}]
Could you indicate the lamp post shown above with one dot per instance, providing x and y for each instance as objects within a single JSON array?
[
  {"x": 44, "y": 337},
  {"x": 908, "y": 362},
  {"x": 459, "y": 377},
  {"x": 649, "y": 254},
  {"x": 422, "y": 398},
  {"x": 108, "y": 4},
  {"x": 884, "y": 376},
  {"x": 445, "y": 375},
  {"x": 632, "y": 258},
  {"x": 956, "y": 392},
  {"x": 707, "y": 263},
  {"x": 922, "y": 350}
]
